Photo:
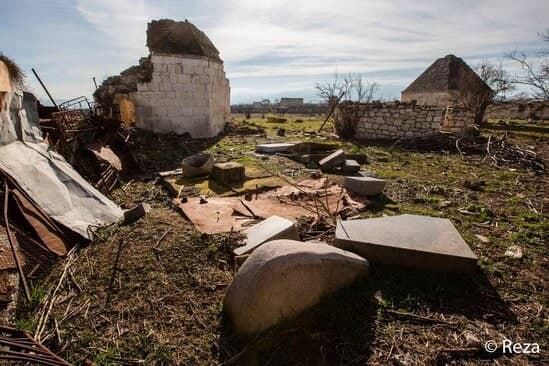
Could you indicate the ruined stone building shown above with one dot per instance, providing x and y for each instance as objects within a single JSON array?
[
  {"x": 449, "y": 81},
  {"x": 447, "y": 97},
  {"x": 180, "y": 87}
]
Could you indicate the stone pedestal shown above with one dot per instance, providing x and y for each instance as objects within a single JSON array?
[{"x": 228, "y": 173}]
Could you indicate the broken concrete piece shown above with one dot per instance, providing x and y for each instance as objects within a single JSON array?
[
  {"x": 227, "y": 173},
  {"x": 282, "y": 278},
  {"x": 365, "y": 186},
  {"x": 351, "y": 166},
  {"x": 197, "y": 165},
  {"x": 416, "y": 241},
  {"x": 359, "y": 158},
  {"x": 274, "y": 148},
  {"x": 275, "y": 227},
  {"x": 333, "y": 160}
]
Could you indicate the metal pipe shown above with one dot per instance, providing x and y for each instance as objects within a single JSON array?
[{"x": 45, "y": 89}]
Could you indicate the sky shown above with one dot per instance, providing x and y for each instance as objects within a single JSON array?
[{"x": 271, "y": 49}]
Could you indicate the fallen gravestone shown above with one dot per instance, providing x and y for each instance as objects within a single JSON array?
[
  {"x": 364, "y": 186},
  {"x": 275, "y": 227},
  {"x": 335, "y": 159},
  {"x": 274, "y": 148},
  {"x": 227, "y": 173},
  {"x": 421, "y": 242},
  {"x": 282, "y": 278},
  {"x": 351, "y": 166}
]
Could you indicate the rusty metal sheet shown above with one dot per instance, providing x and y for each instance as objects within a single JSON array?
[
  {"x": 44, "y": 227},
  {"x": 309, "y": 198},
  {"x": 105, "y": 153},
  {"x": 6, "y": 255},
  {"x": 215, "y": 216}
]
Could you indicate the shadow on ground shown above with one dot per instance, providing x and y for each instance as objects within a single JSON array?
[{"x": 343, "y": 327}]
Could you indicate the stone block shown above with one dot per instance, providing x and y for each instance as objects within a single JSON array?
[
  {"x": 421, "y": 242},
  {"x": 351, "y": 166},
  {"x": 335, "y": 159},
  {"x": 273, "y": 228},
  {"x": 365, "y": 186},
  {"x": 282, "y": 278},
  {"x": 274, "y": 148},
  {"x": 228, "y": 173}
]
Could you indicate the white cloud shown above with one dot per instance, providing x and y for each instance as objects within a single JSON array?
[{"x": 307, "y": 40}]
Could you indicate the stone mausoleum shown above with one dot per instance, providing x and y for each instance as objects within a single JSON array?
[{"x": 180, "y": 87}]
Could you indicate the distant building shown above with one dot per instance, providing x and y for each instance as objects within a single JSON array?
[
  {"x": 290, "y": 102},
  {"x": 448, "y": 81}
]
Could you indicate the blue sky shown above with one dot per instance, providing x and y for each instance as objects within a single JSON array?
[{"x": 271, "y": 49}]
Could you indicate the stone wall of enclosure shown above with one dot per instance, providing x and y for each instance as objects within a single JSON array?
[{"x": 406, "y": 120}]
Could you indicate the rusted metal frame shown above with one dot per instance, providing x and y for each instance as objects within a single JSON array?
[{"x": 12, "y": 244}]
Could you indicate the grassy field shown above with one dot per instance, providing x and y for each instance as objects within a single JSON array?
[{"x": 151, "y": 292}]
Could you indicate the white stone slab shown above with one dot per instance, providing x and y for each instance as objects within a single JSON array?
[
  {"x": 365, "y": 186},
  {"x": 274, "y": 148},
  {"x": 275, "y": 227}
]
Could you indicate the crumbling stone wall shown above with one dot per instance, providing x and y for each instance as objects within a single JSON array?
[
  {"x": 187, "y": 94},
  {"x": 180, "y": 87},
  {"x": 396, "y": 120},
  {"x": 457, "y": 119},
  {"x": 534, "y": 110}
]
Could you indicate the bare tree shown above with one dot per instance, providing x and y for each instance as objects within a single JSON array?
[
  {"x": 497, "y": 78},
  {"x": 535, "y": 73},
  {"x": 351, "y": 91}
]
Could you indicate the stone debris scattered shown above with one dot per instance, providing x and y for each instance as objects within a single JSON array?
[
  {"x": 364, "y": 186},
  {"x": 228, "y": 173},
  {"x": 514, "y": 251},
  {"x": 351, "y": 167},
  {"x": 422, "y": 242},
  {"x": 282, "y": 278},
  {"x": 335, "y": 159},
  {"x": 273, "y": 228}
]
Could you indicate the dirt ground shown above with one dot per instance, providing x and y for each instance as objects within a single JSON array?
[{"x": 151, "y": 293}]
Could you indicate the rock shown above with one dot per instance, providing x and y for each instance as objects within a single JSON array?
[
  {"x": 365, "y": 186},
  {"x": 282, "y": 278},
  {"x": 135, "y": 213},
  {"x": 273, "y": 228},
  {"x": 351, "y": 166},
  {"x": 197, "y": 165},
  {"x": 335, "y": 159},
  {"x": 421, "y": 242},
  {"x": 482, "y": 238},
  {"x": 227, "y": 173},
  {"x": 514, "y": 251}
]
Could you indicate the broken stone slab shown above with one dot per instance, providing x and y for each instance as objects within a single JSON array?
[
  {"x": 275, "y": 227},
  {"x": 228, "y": 173},
  {"x": 335, "y": 159},
  {"x": 364, "y": 186},
  {"x": 274, "y": 148},
  {"x": 421, "y": 242},
  {"x": 282, "y": 278},
  {"x": 351, "y": 166}
]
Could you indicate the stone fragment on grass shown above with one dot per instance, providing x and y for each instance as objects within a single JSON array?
[
  {"x": 335, "y": 159},
  {"x": 365, "y": 186},
  {"x": 282, "y": 278},
  {"x": 275, "y": 227}
]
